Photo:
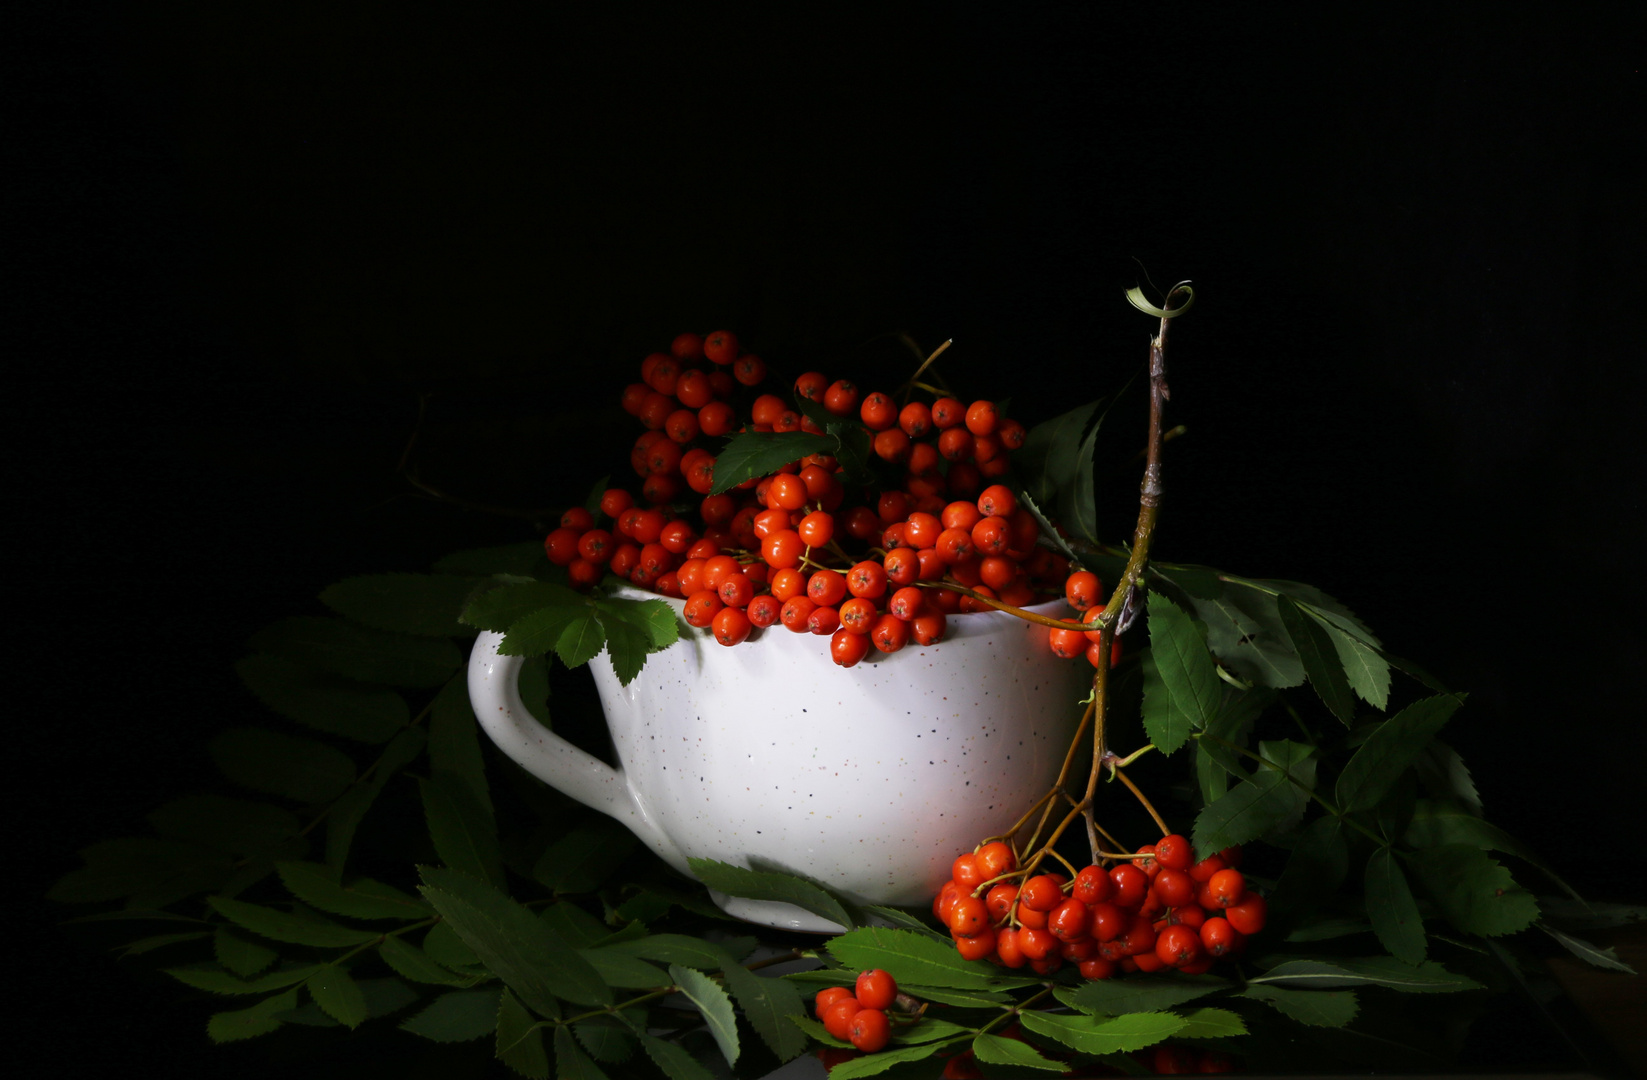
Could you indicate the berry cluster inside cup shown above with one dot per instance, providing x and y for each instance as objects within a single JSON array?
[
  {"x": 1162, "y": 908},
  {"x": 868, "y": 568},
  {"x": 859, "y": 1015}
]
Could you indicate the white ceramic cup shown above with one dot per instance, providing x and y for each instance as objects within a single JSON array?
[{"x": 868, "y": 780}]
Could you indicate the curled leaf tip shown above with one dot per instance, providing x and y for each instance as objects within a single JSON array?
[{"x": 1135, "y": 297}]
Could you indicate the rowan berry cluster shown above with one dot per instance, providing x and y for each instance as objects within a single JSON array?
[
  {"x": 779, "y": 548},
  {"x": 1161, "y": 908},
  {"x": 859, "y": 1015}
]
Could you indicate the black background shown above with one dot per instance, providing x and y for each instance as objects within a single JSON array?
[{"x": 250, "y": 239}]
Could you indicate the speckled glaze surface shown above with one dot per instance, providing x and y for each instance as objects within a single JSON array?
[{"x": 869, "y": 781}]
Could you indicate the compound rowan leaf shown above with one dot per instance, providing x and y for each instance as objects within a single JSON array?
[
  {"x": 711, "y": 1001},
  {"x": 244, "y": 958},
  {"x": 260, "y": 1019},
  {"x": 291, "y": 929},
  {"x": 1390, "y": 750},
  {"x": 520, "y": 1040},
  {"x": 571, "y": 1063},
  {"x": 998, "y": 1050},
  {"x": 768, "y": 1003},
  {"x": 1474, "y": 892},
  {"x": 410, "y": 962},
  {"x": 676, "y": 1063},
  {"x": 1314, "y": 645},
  {"x": 457, "y": 1016},
  {"x": 423, "y": 604},
  {"x": 325, "y": 702},
  {"x": 1104, "y": 1035},
  {"x": 1143, "y": 993},
  {"x": 338, "y": 995},
  {"x": 1392, "y": 910},
  {"x": 318, "y": 886},
  {"x": 1317, "y": 1008}
]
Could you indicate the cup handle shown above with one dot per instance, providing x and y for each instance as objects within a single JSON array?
[{"x": 494, "y": 692}]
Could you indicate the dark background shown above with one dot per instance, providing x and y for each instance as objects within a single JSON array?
[{"x": 249, "y": 240}]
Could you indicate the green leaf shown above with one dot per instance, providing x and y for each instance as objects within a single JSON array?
[
  {"x": 1475, "y": 893},
  {"x": 997, "y": 1050},
  {"x": 215, "y": 980},
  {"x": 525, "y": 559},
  {"x": 1245, "y": 632},
  {"x": 1143, "y": 993},
  {"x": 348, "y": 811},
  {"x": 1585, "y": 951},
  {"x": 580, "y": 642},
  {"x": 768, "y": 1003},
  {"x": 513, "y": 943},
  {"x": 623, "y": 971},
  {"x": 1184, "y": 668},
  {"x": 766, "y": 885},
  {"x": 501, "y": 608},
  {"x": 626, "y": 646},
  {"x": 901, "y": 919},
  {"x": 1571, "y": 914},
  {"x": 324, "y": 702},
  {"x": 225, "y": 1027},
  {"x": 360, "y": 652},
  {"x": 1253, "y": 807},
  {"x": 655, "y": 617},
  {"x": 1320, "y": 658},
  {"x": 292, "y": 929},
  {"x": 1445, "y": 776},
  {"x": 444, "y": 947},
  {"x": 300, "y": 769},
  {"x": 572, "y": 1063},
  {"x": 1317, "y": 1008},
  {"x": 457, "y": 1016},
  {"x": 158, "y": 941},
  {"x": 1135, "y": 297},
  {"x": 579, "y": 928},
  {"x": 1050, "y": 459},
  {"x": 675, "y": 1062},
  {"x": 137, "y": 866},
  {"x": 1211, "y": 1024},
  {"x": 716, "y": 1007},
  {"x": 318, "y": 886},
  {"x": 870, "y": 1064},
  {"x": 975, "y": 999},
  {"x": 236, "y": 826},
  {"x": 1216, "y": 760},
  {"x": 1392, "y": 909},
  {"x": 459, "y": 830},
  {"x": 1099, "y": 1035},
  {"x": 611, "y": 1039},
  {"x": 1368, "y": 672},
  {"x": 411, "y": 962},
  {"x": 927, "y": 1030},
  {"x": 337, "y": 995},
  {"x": 454, "y": 747},
  {"x": 423, "y": 604},
  {"x": 1389, "y": 750},
  {"x": 758, "y": 453},
  {"x": 1319, "y": 863},
  {"x": 677, "y": 949},
  {"x": 542, "y": 630},
  {"x": 244, "y": 958},
  {"x": 520, "y": 1040},
  {"x": 1437, "y": 824},
  {"x": 912, "y": 957},
  {"x": 582, "y": 859},
  {"x": 1428, "y": 977}
]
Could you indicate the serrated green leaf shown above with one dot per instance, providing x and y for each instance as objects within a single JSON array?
[
  {"x": 927, "y": 1030},
  {"x": 141, "y": 866},
  {"x": 1211, "y": 1024},
  {"x": 582, "y": 859},
  {"x": 225, "y": 1027},
  {"x": 324, "y": 702},
  {"x": 526, "y": 558},
  {"x": 580, "y": 642},
  {"x": 1216, "y": 759},
  {"x": 871, "y": 1064},
  {"x": 766, "y": 885},
  {"x": 236, "y": 826},
  {"x": 1101, "y": 1035},
  {"x": 1445, "y": 776},
  {"x": 501, "y": 608},
  {"x": 1180, "y": 659},
  {"x": 1367, "y": 671},
  {"x": 1436, "y": 824},
  {"x": 1392, "y": 909},
  {"x": 1245, "y": 633},
  {"x": 159, "y": 941},
  {"x": 317, "y": 885},
  {"x": 1320, "y": 657},
  {"x": 337, "y": 994},
  {"x": 360, "y": 652},
  {"x": 1587, "y": 952},
  {"x": 757, "y": 453},
  {"x": 1427, "y": 977},
  {"x": 457, "y": 1016},
  {"x": 675, "y": 1062},
  {"x": 513, "y": 943},
  {"x": 1251, "y": 808},
  {"x": 291, "y": 929},
  {"x": 423, "y": 604},
  {"x": 677, "y": 949},
  {"x": 623, "y": 971},
  {"x": 574, "y": 925},
  {"x": 454, "y": 747},
  {"x": 655, "y": 618},
  {"x": 626, "y": 647},
  {"x": 1164, "y": 721},
  {"x": 351, "y": 807},
  {"x": 912, "y": 957},
  {"x": 520, "y": 1040},
  {"x": 1390, "y": 750},
  {"x": 444, "y": 947},
  {"x": 713, "y": 1003},
  {"x": 244, "y": 958},
  {"x": 1317, "y": 1008},
  {"x": 973, "y": 999},
  {"x": 411, "y": 962},
  {"x": 768, "y": 1003},
  {"x": 1143, "y": 993},
  {"x": 1049, "y": 460},
  {"x": 997, "y": 1050},
  {"x": 459, "y": 830},
  {"x": 1476, "y": 894},
  {"x": 540, "y": 632},
  {"x": 611, "y": 1039},
  {"x": 299, "y": 769},
  {"x": 1577, "y": 914},
  {"x": 572, "y": 1063},
  {"x": 214, "y": 980}
]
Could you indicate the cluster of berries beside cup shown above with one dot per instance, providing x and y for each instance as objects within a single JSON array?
[
  {"x": 1162, "y": 909},
  {"x": 774, "y": 549},
  {"x": 859, "y": 1015}
]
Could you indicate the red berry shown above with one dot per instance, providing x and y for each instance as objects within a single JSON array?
[
  {"x": 1177, "y": 946},
  {"x": 826, "y": 997},
  {"x": 889, "y": 633},
  {"x": 876, "y": 989},
  {"x": 1131, "y": 884},
  {"x": 837, "y": 1020},
  {"x": 1174, "y": 852},
  {"x": 1097, "y": 968},
  {"x": 1083, "y": 590},
  {"x": 969, "y": 915},
  {"x": 1174, "y": 887},
  {"x": 1202, "y": 871},
  {"x": 1248, "y": 915},
  {"x": 869, "y": 1030},
  {"x": 996, "y": 858},
  {"x": 916, "y": 420},
  {"x": 763, "y": 611},
  {"x": 1227, "y": 888},
  {"x": 947, "y": 412},
  {"x": 1007, "y": 947},
  {"x": 721, "y": 347},
  {"x": 981, "y": 417},
  {"x": 1108, "y": 921},
  {"x": 1041, "y": 893},
  {"x": 702, "y": 607},
  {"x": 976, "y": 946},
  {"x": 561, "y": 546},
  {"x": 1218, "y": 937},
  {"x": 999, "y": 900},
  {"x": 1092, "y": 886},
  {"x": 1069, "y": 920}
]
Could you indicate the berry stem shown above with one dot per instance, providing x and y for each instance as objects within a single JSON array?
[
  {"x": 912, "y": 383},
  {"x": 1114, "y": 769},
  {"x": 1027, "y": 616}
]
